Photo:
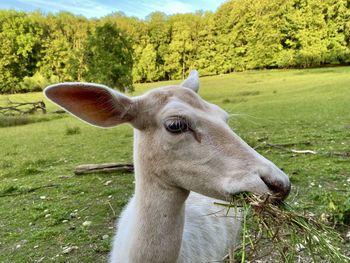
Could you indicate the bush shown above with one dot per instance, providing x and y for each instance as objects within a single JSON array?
[{"x": 37, "y": 82}]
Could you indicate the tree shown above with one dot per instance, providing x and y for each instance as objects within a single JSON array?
[
  {"x": 337, "y": 15},
  {"x": 116, "y": 49},
  {"x": 205, "y": 54},
  {"x": 20, "y": 44},
  {"x": 146, "y": 68},
  {"x": 184, "y": 44},
  {"x": 109, "y": 58},
  {"x": 64, "y": 47}
]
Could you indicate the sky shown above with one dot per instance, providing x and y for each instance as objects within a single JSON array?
[{"x": 99, "y": 8}]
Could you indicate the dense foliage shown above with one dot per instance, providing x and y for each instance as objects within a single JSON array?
[
  {"x": 37, "y": 49},
  {"x": 109, "y": 58}
]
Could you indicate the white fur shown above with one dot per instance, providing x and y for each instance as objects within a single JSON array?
[
  {"x": 209, "y": 231},
  {"x": 172, "y": 217}
]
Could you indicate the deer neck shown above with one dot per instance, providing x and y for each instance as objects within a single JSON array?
[{"x": 159, "y": 215}]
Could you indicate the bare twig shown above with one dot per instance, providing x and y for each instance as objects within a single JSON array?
[
  {"x": 289, "y": 144},
  {"x": 103, "y": 168},
  {"x": 283, "y": 147},
  {"x": 303, "y": 151},
  {"x": 111, "y": 208}
]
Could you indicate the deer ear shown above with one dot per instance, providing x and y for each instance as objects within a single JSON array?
[
  {"x": 192, "y": 81},
  {"x": 92, "y": 103}
]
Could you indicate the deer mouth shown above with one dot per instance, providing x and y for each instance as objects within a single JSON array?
[{"x": 279, "y": 190}]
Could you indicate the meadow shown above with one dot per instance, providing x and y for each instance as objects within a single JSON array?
[{"x": 48, "y": 214}]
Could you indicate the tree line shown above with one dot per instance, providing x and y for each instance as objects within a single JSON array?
[{"x": 117, "y": 50}]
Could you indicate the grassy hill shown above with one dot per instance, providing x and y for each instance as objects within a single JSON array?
[{"x": 43, "y": 205}]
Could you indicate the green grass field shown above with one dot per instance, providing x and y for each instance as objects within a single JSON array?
[{"x": 43, "y": 205}]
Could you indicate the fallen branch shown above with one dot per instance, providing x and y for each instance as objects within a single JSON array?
[
  {"x": 23, "y": 108},
  {"x": 103, "y": 168}
]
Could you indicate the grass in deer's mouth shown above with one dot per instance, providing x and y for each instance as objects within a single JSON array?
[{"x": 279, "y": 234}]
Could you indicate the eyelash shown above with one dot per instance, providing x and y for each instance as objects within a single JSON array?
[{"x": 177, "y": 125}]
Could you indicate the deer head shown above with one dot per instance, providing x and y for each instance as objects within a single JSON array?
[{"x": 181, "y": 140}]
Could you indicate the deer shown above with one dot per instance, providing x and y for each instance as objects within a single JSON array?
[{"x": 186, "y": 158}]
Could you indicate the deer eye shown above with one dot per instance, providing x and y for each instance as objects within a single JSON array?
[{"x": 176, "y": 125}]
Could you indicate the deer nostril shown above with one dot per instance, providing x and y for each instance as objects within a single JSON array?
[{"x": 278, "y": 188}]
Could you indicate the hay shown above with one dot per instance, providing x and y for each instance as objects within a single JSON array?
[{"x": 277, "y": 233}]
